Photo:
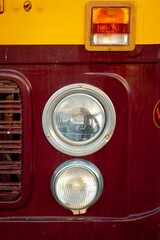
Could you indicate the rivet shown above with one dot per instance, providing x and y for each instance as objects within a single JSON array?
[
  {"x": 16, "y": 8},
  {"x": 40, "y": 8},
  {"x": 107, "y": 137}
]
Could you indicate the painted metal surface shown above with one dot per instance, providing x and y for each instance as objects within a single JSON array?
[
  {"x": 130, "y": 204},
  {"x": 58, "y": 22},
  {"x": 54, "y": 54}
]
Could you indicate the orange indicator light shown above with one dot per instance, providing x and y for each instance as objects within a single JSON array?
[
  {"x": 110, "y": 26},
  {"x": 110, "y": 20}
]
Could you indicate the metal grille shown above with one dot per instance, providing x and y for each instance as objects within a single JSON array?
[{"x": 10, "y": 141}]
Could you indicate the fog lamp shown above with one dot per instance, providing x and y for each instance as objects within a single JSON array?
[{"x": 76, "y": 185}]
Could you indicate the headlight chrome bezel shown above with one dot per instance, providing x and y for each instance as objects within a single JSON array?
[{"x": 82, "y": 148}]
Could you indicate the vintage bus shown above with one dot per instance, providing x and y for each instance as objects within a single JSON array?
[{"x": 79, "y": 120}]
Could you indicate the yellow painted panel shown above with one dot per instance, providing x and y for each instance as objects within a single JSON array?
[{"x": 63, "y": 22}]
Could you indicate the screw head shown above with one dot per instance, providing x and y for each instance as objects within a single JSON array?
[{"x": 27, "y": 6}]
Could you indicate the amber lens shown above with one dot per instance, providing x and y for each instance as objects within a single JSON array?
[{"x": 110, "y": 20}]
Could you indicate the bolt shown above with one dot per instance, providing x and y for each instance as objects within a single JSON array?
[{"x": 27, "y": 6}]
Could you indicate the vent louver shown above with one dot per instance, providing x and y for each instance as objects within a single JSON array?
[{"x": 10, "y": 141}]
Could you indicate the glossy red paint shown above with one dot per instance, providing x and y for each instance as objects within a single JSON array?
[
  {"x": 156, "y": 114},
  {"x": 130, "y": 203}
]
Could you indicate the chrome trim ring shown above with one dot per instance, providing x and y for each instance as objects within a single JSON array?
[{"x": 79, "y": 137}]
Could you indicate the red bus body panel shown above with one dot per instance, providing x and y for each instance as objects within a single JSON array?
[{"x": 129, "y": 207}]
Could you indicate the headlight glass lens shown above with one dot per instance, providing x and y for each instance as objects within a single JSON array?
[{"x": 79, "y": 118}]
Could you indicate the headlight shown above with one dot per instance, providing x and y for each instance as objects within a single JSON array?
[
  {"x": 78, "y": 119},
  {"x": 76, "y": 185}
]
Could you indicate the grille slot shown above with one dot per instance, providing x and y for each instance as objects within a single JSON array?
[{"x": 10, "y": 141}]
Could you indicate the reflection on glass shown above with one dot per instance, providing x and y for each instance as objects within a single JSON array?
[{"x": 79, "y": 117}]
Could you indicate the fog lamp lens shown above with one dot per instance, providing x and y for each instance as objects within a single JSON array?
[{"x": 76, "y": 185}]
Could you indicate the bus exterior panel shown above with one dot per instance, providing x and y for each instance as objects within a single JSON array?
[{"x": 42, "y": 51}]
